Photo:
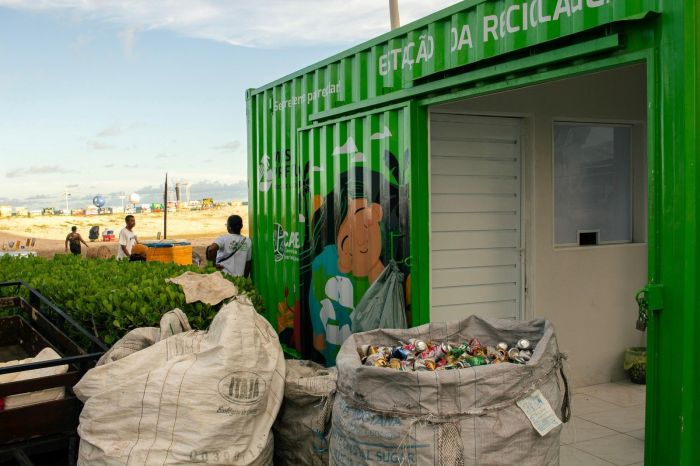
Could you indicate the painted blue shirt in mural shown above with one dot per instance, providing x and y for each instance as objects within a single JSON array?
[{"x": 332, "y": 298}]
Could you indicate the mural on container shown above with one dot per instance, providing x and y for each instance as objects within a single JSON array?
[{"x": 349, "y": 238}]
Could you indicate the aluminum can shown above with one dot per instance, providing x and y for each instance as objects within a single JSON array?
[
  {"x": 400, "y": 353},
  {"x": 523, "y": 344},
  {"x": 420, "y": 346},
  {"x": 381, "y": 362},
  {"x": 474, "y": 343},
  {"x": 430, "y": 352},
  {"x": 476, "y": 361},
  {"x": 363, "y": 351},
  {"x": 502, "y": 346},
  {"x": 513, "y": 353},
  {"x": 395, "y": 363},
  {"x": 430, "y": 364},
  {"x": 460, "y": 350},
  {"x": 372, "y": 358}
]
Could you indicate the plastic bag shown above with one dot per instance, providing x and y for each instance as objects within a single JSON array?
[{"x": 383, "y": 305}]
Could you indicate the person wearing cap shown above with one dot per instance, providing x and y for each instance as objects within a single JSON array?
[{"x": 232, "y": 253}]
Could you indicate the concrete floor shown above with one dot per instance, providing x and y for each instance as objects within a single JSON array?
[{"x": 607, "y": 426}]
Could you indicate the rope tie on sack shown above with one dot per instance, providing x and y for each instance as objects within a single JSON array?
[
  {"x": 402, "y": 447},
  {"x": 321, "y": 421},
  {"x": 566, "y": 404}
]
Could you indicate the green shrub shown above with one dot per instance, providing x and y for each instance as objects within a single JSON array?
[{"x": 110, "y": 297}]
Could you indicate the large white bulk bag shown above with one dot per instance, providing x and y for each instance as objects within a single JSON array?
[
  {"x": 195, "y": 397},
  {"x": 460, "y": 417}
]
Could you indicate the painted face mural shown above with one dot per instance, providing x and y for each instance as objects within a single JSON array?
[
  {"x": 349, "y": 246},
  {"x": 359, "y": 240}
]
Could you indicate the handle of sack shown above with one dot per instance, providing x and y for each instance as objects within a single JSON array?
[{"x": 566, "y": 404}]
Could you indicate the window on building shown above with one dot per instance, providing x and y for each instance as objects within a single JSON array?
[{"x": 592, "y": 184}]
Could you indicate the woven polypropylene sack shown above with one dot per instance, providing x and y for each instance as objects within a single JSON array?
[
  {"x": 171, "y": 323},
  {"x": 195, "y": 397},
  {"x": 303, "y": 424},
  {"x": 451, "y": 417}
]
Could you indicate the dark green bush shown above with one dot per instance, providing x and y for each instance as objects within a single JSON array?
[{"x": 110, "y": 297}]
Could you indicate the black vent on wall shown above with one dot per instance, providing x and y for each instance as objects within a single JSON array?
[{"x": 587, "y": 238}]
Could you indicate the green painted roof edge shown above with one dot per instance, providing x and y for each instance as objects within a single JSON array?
[{"x": 419, "y": 23}]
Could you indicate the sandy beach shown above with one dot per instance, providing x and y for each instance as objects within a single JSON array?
[{"x": 197, "y": 227}]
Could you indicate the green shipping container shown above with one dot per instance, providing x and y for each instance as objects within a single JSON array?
[{"x": 355, "y": 161}]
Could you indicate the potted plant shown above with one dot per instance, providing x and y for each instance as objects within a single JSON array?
[{"x": 635, "y": 364}]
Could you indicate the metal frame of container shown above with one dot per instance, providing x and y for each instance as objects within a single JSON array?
[{"x": 296, "y": 124}]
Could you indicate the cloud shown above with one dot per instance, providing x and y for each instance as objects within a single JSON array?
[
  {"x": 219, "y": 191},
  {"x": 111, "y": 131},
  {"x": 39, "y": 197},
  {"x": 117, "y": 130},
  {"x": 272, "y": 23},
  {"x": 37, "y": 170},
  {"x": 126, "y": 165},
  {"x": 81, "y": 42},
  {"x": 128, "y": 38},
  {"x": 72, "y": 186},
  {"x": 232, "y": 146},
  {"x": 164, "y": 155},
  {"x": 15, "y": 173},
  {"x": 97, "y": 145},
  {"x": 109, "y": 165}
]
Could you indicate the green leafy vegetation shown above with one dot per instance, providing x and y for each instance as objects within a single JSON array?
[{"x": 110, "y": 297}]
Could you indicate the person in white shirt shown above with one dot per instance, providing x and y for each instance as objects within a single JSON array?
[
  {"x": 127, "y": 238},
  {"x": 232, "y": 253}
]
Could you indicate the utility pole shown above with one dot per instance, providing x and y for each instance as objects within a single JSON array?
[
  {"x": 394, "y": 13},
  {"x": 66, "y": 193},
  {"x": 165, "y": 211}
]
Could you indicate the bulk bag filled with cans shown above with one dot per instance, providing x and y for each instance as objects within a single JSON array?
[
  {"x": 207, "y": 397},
  {"x": 467, "y": 411},
  {"x": 304, "y": 421}
]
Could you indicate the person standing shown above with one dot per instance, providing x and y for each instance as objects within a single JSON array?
[
  {"x": 73, "y": 241},
  {"x": 232, "y": 253},
  {"x": 127, "y": 238}
]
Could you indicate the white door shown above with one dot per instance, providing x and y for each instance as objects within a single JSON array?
[{"x": 476, "y": 256}]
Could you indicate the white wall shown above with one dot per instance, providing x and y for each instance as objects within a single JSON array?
[{"x": 588, "y": 293}]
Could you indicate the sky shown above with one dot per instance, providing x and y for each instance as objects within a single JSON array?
[{"x": 105, "y": 96}]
